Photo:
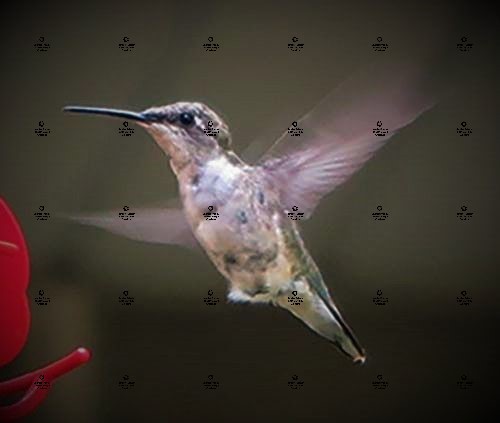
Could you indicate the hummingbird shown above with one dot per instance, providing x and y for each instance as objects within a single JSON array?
[{"x": 253, "y": 243}]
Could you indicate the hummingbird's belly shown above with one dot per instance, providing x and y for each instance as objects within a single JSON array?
[
  {"x": 249, "y": 255},
  {"x": 244, "y": 239}
]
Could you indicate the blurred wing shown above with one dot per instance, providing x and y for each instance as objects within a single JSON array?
[
  {"x": 153, "y": 225},
  {"x": 338, "y": 134}
]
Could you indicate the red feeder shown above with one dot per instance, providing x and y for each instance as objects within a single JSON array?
[{"x": 15, "y": 322}]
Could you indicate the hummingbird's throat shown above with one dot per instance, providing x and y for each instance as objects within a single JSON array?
[{"x": 171, "y": 142}]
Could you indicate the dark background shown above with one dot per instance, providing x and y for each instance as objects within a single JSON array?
[{"x": 422, "y": 257}]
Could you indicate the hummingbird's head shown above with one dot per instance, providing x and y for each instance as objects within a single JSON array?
[
  {"x": 182, "y": 130},
  {"x": 192, "y": 127}
]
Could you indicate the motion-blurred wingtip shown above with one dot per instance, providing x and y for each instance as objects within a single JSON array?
[{"x": 67, "y": 216}]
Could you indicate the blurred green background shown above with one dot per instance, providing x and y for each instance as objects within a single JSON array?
[{"x": 169, "y": 341}]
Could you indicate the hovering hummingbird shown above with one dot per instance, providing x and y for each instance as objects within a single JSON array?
[{"x": 253, "y": 243}]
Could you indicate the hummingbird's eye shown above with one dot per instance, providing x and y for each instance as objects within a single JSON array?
[{"x": 186, "y": 118}]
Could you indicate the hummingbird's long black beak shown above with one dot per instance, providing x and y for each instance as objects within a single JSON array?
[{"x": 140, "y": 117}]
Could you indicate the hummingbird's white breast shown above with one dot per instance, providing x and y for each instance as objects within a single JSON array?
[
  {"x": 215, "y": 184},
  {"x": 210, "y": 184},
  {"x": 222, "y": 174},
  {"x": 244, "y": 243}
]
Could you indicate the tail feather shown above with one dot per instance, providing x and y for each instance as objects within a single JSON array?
[{"x": 322, "y": 316}]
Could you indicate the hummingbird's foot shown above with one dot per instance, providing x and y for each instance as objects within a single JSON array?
[
  {"x": 250, "y": 295},
  {"x": 258, "y": 290}
]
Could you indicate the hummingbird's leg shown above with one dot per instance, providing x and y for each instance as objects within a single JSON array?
[
  {"x": 260, "y": 288},
  {"x": 256, "y": 295},
  {"x": 238, "y": 296},
  {"x": 250, "y": 261},
  {"x": 250, "y": 268}
]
